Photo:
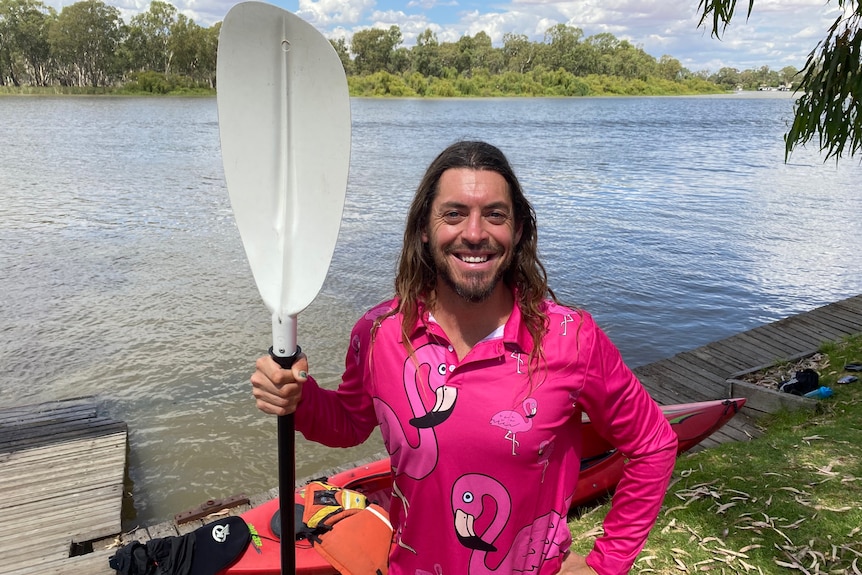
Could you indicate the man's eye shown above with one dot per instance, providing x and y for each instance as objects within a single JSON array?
[{"x": 497, "y": 217}]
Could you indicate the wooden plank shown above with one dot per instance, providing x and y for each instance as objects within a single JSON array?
[
  {"x": 706, "y": 366},
  {"x": 789, "y": 339},
  {"x": 64, "y": 432},
  {"x": 737, "y": 346},
  {"x": 849, "y": 312},
  {"x": 95, "y": 563},
  {"x": 62, "y": 473},
  {"x": 722, "y": 363},
  {"x": 37, "y": 476},
  {"x": 23, "y": 414},
  {"x": 787, "y": 342},
  {"x": 852, "y": 305},
  {"x": 660, "y": 385},
  {"x": 849, "y": 323},
  {"x": 698, "y": 379},
  {"x": 766, "y": 352},
  {"x": 54, "y": 537},
  {"x": 670, "y": 380},
  {"x": 767, "y": 401},
  {"x": 733, "y": 358},
  {"x": 813, "y": 330}
]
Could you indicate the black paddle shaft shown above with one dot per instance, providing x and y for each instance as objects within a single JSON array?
[{"x": 286, "y": 476}]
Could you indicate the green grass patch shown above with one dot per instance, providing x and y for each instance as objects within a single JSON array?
[{"x": 788, "y": 501}]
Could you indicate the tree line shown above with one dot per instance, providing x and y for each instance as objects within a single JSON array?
[{"x": 87, "y": 44}]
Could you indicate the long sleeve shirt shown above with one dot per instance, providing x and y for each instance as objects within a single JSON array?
[{"x": 485, "y": 450}]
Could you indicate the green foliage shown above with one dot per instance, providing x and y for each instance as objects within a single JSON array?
[
  {"x": 150, "y": 82},
  {"x": 84, "y": 40},
  {"x": 374, "y": 49},
  {"x": 831, "y": 83},
  {"x": 89, "y": 44},
  {"x": 829, "y": 107},
  {"x": 538, "y": 82},
  {"x": 788, "y": 501}
]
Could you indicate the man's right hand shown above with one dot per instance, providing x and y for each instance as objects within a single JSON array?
[{"x": 278, "y": 391}]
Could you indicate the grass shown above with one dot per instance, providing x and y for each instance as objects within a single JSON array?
[{"x": 789, "y": 501}]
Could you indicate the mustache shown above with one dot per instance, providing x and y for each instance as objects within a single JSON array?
[{"x": 484, "y": 245}]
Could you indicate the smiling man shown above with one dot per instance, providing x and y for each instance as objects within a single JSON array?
[{"x": 478, "y": 378}]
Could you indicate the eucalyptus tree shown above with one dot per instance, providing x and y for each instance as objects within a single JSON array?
[
  {"x": 149, "y": 41},
  {"x": 563, "y": 47},
  {"x": 485, "y": 56},
  {"x": 84, "y": 41},
  {"x": 373, "y": 49},
  {"x": 474, "y": 53},
  {"x": 188, "y": 45},
  {"x": 343, "y": 51},
  {"x": 829, "y": 107},
  {"x": 518, "y": 52},
  {"x": 426, "y": 54},
  {"x": 25, "y": 51},
  {"x": 629, "y": 61},
  {"x": 670, "y": 68}
]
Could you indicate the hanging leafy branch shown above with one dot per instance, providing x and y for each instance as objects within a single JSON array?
[{"x": 828, "y": 107}]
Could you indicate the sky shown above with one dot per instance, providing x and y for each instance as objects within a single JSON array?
[{"x": 779, "y": 33}]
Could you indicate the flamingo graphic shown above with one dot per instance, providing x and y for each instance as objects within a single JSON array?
[
  {"x": 444, "y": 403},
  {"x": 467, "y": 495},
  {"x": 545, "y": 450},
  {"x": 415, "y": 458},
  {"x": 514, "y": 422},
  {"x": 534, "y": 543}
]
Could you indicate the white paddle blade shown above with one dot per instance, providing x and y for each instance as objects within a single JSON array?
[{"x": 284, "y": 123}]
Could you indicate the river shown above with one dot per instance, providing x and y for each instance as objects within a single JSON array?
[{"x": 675, "y": 221}]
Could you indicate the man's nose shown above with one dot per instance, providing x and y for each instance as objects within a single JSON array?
[{"x": 474, "y": 230}]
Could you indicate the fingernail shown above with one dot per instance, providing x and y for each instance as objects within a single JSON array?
[{"x": 303, "y": 374}]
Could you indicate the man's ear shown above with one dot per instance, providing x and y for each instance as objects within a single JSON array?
[
  {"x": 518, "y": 233},
  {"x": 424, "y": 235}
]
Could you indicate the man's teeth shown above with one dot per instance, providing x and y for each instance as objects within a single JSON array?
[{"x": 474, "y": 259}]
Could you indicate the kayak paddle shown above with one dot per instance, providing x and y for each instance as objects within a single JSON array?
[{"x": 284, "y": 126}]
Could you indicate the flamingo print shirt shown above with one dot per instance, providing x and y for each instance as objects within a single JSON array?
[{"x": 485, "y": 452}]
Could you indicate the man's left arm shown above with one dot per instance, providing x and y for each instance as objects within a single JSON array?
[{"x": 625, "y": 415}]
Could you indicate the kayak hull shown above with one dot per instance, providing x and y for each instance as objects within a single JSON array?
[{"x": 601, "y": 469}]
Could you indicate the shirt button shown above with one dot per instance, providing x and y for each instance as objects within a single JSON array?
[
  {"x": 452, "y": 367},
  {"x": 451, "y": 348}
]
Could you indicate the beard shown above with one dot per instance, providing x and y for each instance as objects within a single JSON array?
[{"x": 473, "y": 287}]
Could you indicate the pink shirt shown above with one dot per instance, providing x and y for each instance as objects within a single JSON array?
[{"x": 486, "y": 456}]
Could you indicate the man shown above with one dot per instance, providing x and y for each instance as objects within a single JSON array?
[{"x": 478, "y": 377}]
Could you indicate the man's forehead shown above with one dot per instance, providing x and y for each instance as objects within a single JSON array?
[{"x": 465, "y": 184}]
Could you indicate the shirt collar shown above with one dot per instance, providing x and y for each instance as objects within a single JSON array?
[{"x": 515, "y": 330}]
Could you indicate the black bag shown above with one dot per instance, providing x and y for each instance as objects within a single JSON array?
[
  {"x": 205, "y": 551},
  {"x": 804, "y": 381}
]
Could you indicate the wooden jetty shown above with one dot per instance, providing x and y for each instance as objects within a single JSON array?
[
  {"x": 62, "y": 466},
  {"x": 61, "y": 487},
  {"x": 702, "y": 374}
]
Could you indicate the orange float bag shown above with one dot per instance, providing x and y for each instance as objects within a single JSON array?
[
  {"x": 353, "y": 535},
  {"x": 359, "y": 543}
]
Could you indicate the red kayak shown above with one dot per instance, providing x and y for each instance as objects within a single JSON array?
[{"x": 601, "y": 470}]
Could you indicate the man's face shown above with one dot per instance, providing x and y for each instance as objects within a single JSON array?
[{"x": 471, "y": 232}]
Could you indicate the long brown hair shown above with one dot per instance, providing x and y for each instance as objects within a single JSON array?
[{"x": 417, "y": 274}]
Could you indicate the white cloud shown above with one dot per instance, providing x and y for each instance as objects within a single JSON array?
[{"x": 327, "y": 13}]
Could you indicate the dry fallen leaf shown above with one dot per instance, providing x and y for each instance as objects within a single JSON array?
[{"x": 722, "y": 508}]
